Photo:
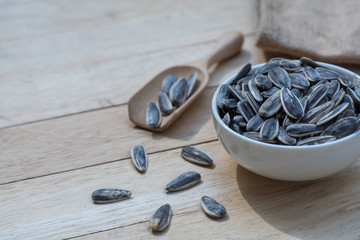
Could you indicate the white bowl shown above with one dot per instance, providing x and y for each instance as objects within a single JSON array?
[{"x": 291, "y": 163}]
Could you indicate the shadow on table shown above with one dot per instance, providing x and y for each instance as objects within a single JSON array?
[
  {"x": 195, "y": 117},
  {"x": 327, "y": 208}
]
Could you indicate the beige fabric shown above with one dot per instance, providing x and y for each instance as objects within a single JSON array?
[{"x": 326, "y": 31}]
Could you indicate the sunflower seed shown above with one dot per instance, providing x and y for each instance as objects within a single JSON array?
[
  {"x": 254, "y": 123},
  {"x": 349, "y": 100},
  {"x": 317, "y": 94},
  {"x": 334, "y": 87},
  {"x": 316, "y": 140},
  {"x": 224, "y": 92},
  {"x": 196, "y": 155},
  {"x": 271, "y": 106},
  {"x": 177, "y": 92},
  {"x": 280, "y": 77},
  {"x": 298, "y": 93},
  {"x": 304, "y": 102},
  {"x": 354, "y": 97},
  {"x": 245, "y": 79},
  {"x": 332, "y": 114},
  {"x": 348, "y": 113},
  {"x": 345, "y": 81},
  {"x": 289, "y": 65},
  {"x": 313, "y": 115},
  {"x": 245, "y": 87},
  {"x": 342, "y": 127},
  {"x": 242, "y": 73},
  {"x": 229, "y": 103},
  {"x": 299, "y": 81},
  {"x": 183, "y": 181},
  {"x": 310, "y": 89},
  {"x": 252, "y": 102},
  {"x": 253, "y": 135},
  {"x": 153, "y": 115},
  {"x": 285, "y": 138},
  {"x": 226, "y": 119},
  {"x": 311, "y": 74},
  {"x": 191, "y": 82},
  {"x": 235, "y": 127},
  {"x": 262, "y": 81},
  {"x": 287, "y": 121},
  {"x": 270, "y": 129},
  {"x": 291, "y": 104},
  {"x": 327, "y": 73},
  {"x": 245, "y": 110},
  {"x": 109, "y": 195},
  {"x": 309, "y": 62},
  {"x": 166, "y": 84},
  {"x": 161, "y": 218},
  {"x": 139, "y": 158},
  {"x": 268, "y": 93},
  {"x": 238, "y": 119},
  {"x": 165, "y": 104},
  {"x": 254, "y": 90},
  {"x": 338, "y": 97},
  {"x": 303, "y": 129},
  {"x": 236, "y": 93},
  {"x": 212, "y": 207},
  {"x": 263, "y": 69}
]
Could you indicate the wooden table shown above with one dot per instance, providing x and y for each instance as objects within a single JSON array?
[{"x": 67, "y": 70}]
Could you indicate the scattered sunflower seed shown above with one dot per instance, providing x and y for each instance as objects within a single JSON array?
[
  {"x": 212, "y": 207},
  {"x": 139, "y": 158},
  {"x": 196, "y": 155},
  {"x": 183, "y": 181},
  {"x": 153, "y": 115},
  {"x": 109, "y": 195},
  {"x": 161, "y": 218}
]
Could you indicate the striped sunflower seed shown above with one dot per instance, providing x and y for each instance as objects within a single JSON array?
[
  {"x": 196, "y": 155},
  {"x": 226, "y": 119},
  {"x": 270, "y": 129},
  {"x": 254, "y": 123},
  {"x": 327, "y": 73},
  {"x": 338, "y": 97},
  {"x": 253, "y": 135},
  {"x": 271, "y": 106},
  {"x": 309, "y": 62},
  {"x": 177, "y": 92},
  {"x": 289, "y": 65},
  {"x": 139, "y": 158},
  {"x": 268, "y": 93},
  {"x": 212, "y": 207},
  {"x": 313, "y": 115},
  {"x": 229, "y": 103},
  {"x": 284, "y": 137},
  {"x": 349, "y": 100},
  {"x": 311, "y": 74},
  {"x": 354, "y": 97},
  {"x": 160, "y": 221},
  {"x": 299, "y": 81},
  {"x": 183, "y": 181},
  {"x": 252, "y": 102},
  {"x": 166, "y": 84},
  {"x": 291, "y": 104},
  {"x": 334, "y": 87},
  {"x": 242, "y": 73},
  {"x": 279, "y": 77},
  {"x": 109, "y": 195},
  {"x": 153, "y": 115},
  {"x": 304, "y": 129},
  {"x": 317, "y": 94},
  {"x": 165, "y": 104},
  {"x": 263, "y": 81},
  {"x": 316, "y": 140},
  {"x": 191, "y": 84},
  {"x": 254, "y": 90},
  {"x": 245, "y": 110},
  {"x": 224, "y": 93},
  {"x": 332, "y": 114},
  {"x": 238, "y": 119},
  {"x": 342, "y": 127},
  {"x": 236, "y": 93}
]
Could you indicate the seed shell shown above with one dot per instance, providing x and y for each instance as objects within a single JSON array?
[
  {"x": 165, "y": 104},
  {"x": 271, "y": 106},
  {"x": 109, "y": 195},
  {"x": 161, "y": 218},
  {"x": 291, "y": 104},
  {"x": 238, "y": 119},
  {"x": 212, "y": 207},
  {"x": 268, "y": 93},
  {"x": 177, "y": 92},
  {"x": 196, "y": 155},
  {"x": 139, "y": 158},
  {"x": 153, "y": 115},
  {"x": 183, "y": 181},
  {"x": 226, "y": 119}
]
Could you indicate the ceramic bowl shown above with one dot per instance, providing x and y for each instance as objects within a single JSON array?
[{"x": 282, "y": 162}]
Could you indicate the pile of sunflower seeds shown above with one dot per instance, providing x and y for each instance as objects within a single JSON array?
[
  {"x": 174, "y": 92},
  {"x": 291, "y": 102},
  {"x": 161, "y": 219}
]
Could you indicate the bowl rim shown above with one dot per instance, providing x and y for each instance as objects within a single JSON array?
[{"x": 228, "y": 78}]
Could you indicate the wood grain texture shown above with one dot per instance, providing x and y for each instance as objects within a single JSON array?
[
  {"x": 59, "y": 206},
  {"x": 72, "y": 58}
]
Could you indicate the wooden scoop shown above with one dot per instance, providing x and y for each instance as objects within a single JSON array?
[{"x": 228, "y": 45}]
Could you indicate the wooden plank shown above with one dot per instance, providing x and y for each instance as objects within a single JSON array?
[
  {"x": 46, "y": 75},
  {"x": 93, "y": 138},
  {"x": 59, "y": 206}
]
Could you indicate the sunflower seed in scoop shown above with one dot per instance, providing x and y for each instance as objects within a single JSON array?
[
  {"x": 161, "y": 218},
  {"x": 242, "y": 73},
  {"x": 212, "y": 207},
  {"x": 196, "y": 155},
  {"x": 316, "y": 140},
  {"x": 245, "y": 110},
  {"x": 333, "y": 113},
  {"x": 262, "y": 81},
  {"x": 271, "y": 106},
  {"x": 166, "y": 84},
  {"x": 299, "y": 81},
  {"x": 165, "y": 104},
  {"x": 311, "y": 74},
  {"x": 153, "y": 115},
  {"x": 303, "y": 129},
  {"x": 139, "y": 158},
  {"x": 254, "y": 90},
  {"x": 280, "y": 77},
  {"x": 191, "y": 82},
  {"x": 270, "y": 129},
  {"x": 284, "y": 137},
  {"x": 109, "y": 195},
  {"x": 254, "y": 123},
  {"x": 342, "y": 127},
  {"x": 183, "y": 181},
  {"x": 177, "y": 92},
  {"x": 317, "y": 94},
  {"x": 291, "y": 104},
  {"x": 313, "y": 115}
]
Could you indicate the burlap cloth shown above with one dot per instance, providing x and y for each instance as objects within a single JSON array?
[{"x": 325, "y": 30}]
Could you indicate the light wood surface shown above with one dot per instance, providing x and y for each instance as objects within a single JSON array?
[{"x": 67, "y": 71}]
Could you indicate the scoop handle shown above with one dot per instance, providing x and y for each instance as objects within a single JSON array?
[{"x": 228, "y": 44}]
